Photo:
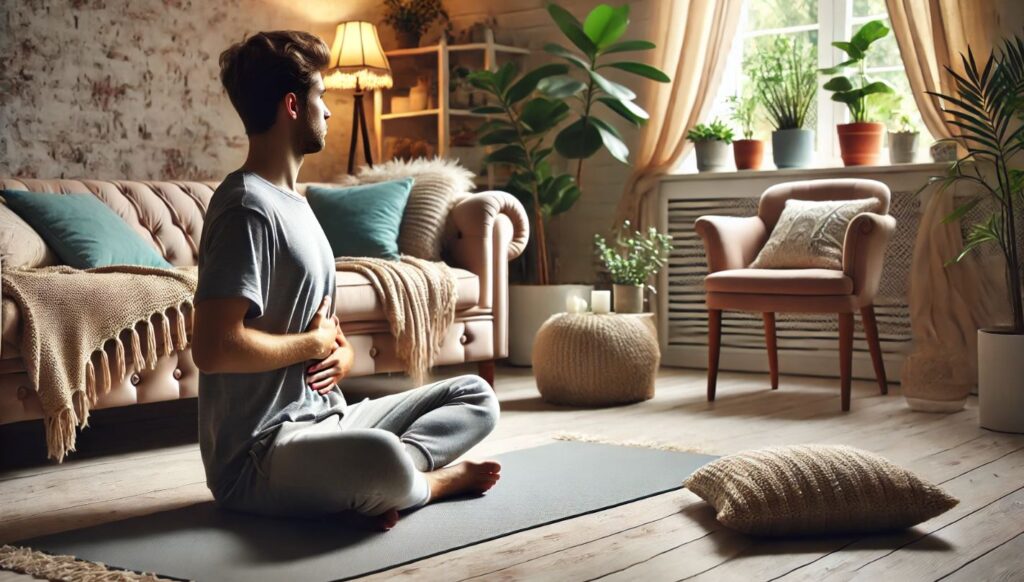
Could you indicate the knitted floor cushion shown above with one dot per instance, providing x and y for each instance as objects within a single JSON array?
[
  {"x": 594, "y": 360},
  {"x": 815, "y": 489}
]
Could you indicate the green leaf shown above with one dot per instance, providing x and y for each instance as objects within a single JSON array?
[
  {"x": 528, "y": 82},
  {"x": 612, "y": 140},
  {"x": 612, "y": 88},
  {"x": 876, "y": 87},
  {"x": 560, "y": 87},
  {"x": 487, "y": 110},
  {"x": 504, "y": 76},
  {"x": 961, "y": 211},
  {"x": 627, "y": 109},
  {"x": 629, "y": 45},
  {"x": 560, "y": 51},
  {"x": 643, "y": 70},
  {"x": 838, "y": 84},
  {"x": 572, "y": 29},
  {"x": 510, "y": 154},
  {"x": 848, "y": 97},
  {"x": 838, "y": 68},
  {"x": 498, "y": 137},
  {"x": 566, "y": 199},
  {"x": 849, "y": 49},
  {"x": 869, "y": 33},
  {"x": 579, "y": 140},
  {"x": 604, "y": 25},
  {"x": 541, "y": 114}
]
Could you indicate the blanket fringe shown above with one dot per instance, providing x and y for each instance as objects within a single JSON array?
[
  {"x": 60, "y": 434},
  {"x": 60, "y": 567},
  {"x": 121, "y": 369},
  {"x": 151, "y": 356},
  {"x": 165, "y": 333},
  {"x": 104, "y": 372},
  {"x": 180, "y": 342},
  {"x": 90, "y": 380},
  {"x": 137, "y": 359}
]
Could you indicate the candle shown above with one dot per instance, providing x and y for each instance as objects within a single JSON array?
[
  {"x": 575, "y": 304},
  {"x": 601, "y": 301}
]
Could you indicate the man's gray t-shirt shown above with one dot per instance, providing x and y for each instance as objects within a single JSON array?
[{"x": 264, "y": 244}]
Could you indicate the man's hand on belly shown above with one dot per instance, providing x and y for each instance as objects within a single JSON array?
[{"x": 323, "y": 375}]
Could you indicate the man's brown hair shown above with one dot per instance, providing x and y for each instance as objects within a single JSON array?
[{"x": 260, "y": 70}]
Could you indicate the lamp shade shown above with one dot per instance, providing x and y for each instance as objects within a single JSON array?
[{"x": 357, "y": 59}]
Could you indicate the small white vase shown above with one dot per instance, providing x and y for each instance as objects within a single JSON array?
[
  {"x": 529, "y": 306},
  {"x": 1001, "y": 381}
]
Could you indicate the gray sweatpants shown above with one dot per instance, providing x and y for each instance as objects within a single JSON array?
[{"x": 372, "y": 458}]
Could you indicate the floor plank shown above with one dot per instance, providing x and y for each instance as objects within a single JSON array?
[{"x": 667, "y": 537}]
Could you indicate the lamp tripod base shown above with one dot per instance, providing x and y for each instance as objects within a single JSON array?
[{"x": 359, "y": 121}]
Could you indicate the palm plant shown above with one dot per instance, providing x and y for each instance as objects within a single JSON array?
[{"x": 988, "y": 108}]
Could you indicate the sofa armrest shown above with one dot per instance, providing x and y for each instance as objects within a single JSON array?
[
  {"x": 731, "y": 242},
  {"x": 485, "y": 232},
  {"x": 867, "y": 237}
]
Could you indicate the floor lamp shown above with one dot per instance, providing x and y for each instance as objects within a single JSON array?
[{"x": 358, "y": 62}]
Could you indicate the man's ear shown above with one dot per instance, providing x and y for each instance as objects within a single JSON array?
[{"x": 291, "y": 105}]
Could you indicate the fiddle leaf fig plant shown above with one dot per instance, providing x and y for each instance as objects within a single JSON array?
[{"x": 854, "y": 92}]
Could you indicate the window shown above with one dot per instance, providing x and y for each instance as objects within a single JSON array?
[{"x": 818, "y": 23}]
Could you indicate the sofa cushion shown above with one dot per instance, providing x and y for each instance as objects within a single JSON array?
[
  {"x": 20, "y": 244},
  {"x": 361, "y": 221},
  {"x": 83, "y": 231},
  {"x": 810, "y": 234},
  {"x": 780, "y": 282},
  {"x": 357, "y": 301}
]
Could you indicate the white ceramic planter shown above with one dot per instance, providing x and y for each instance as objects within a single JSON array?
[
  {"x": 628, "y": 298},
  {"x": 529, "y": 306},
  {"x": 902, "y": 147},
  {"x": 713, "y": 155},
  {"x": 1001, "y": 381}
]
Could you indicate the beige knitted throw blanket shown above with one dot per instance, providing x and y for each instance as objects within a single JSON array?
[
  {"x": 419, "y": 303},
  {"x": 70, "y": 315}
]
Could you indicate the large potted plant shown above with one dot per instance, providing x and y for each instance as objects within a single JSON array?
[
  {"x": 711, "y": 142},
  {"x": 527, "y": 110},
  {"x": 784, "y": 81},
  {"x": 411, "y": 18},
  {"x": 631, "y": 262},
  {"x": 988, "y": 107},
  {"x": 748, "y": 152},
  {"x": 860, "y": 141}
]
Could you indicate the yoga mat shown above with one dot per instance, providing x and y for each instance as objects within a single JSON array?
[{"x": 538, "y": 486}]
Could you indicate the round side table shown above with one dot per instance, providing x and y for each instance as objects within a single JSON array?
[{"x": 589, "y": 359}]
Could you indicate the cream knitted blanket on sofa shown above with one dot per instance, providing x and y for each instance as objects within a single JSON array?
[
  {"x": 419, "y": 303},
  {"x": 68, "y": 317}
]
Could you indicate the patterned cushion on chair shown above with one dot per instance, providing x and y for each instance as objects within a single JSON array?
[
  {"x": 810, "y": 234},
  {"x": 815, "y": 489}
]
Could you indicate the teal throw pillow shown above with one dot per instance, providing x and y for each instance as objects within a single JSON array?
[
  {"x": 83, "y": 231},
  {"x": 361, "y": 221}
]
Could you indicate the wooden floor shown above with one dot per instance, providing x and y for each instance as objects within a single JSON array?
[{"x": 668, "y": 537}]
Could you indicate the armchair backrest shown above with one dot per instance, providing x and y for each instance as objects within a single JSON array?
[{"x": 774, "y": 198}]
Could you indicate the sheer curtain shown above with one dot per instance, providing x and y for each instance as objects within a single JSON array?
[
  {"x": 947, "y": 304},
  {"x": 693, "y": 39}
]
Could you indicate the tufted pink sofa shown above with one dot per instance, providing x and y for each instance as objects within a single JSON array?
[{"x": 483, "y": 232}]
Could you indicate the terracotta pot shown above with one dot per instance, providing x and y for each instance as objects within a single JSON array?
[
  {"x": 749, "y": 153},
  {"x": 860, "y": 143}
]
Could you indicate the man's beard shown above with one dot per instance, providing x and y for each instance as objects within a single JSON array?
[{"x": 313, "y": 137}]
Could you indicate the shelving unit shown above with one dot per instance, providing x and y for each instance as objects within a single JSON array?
[{"x": 434, "y": 124}]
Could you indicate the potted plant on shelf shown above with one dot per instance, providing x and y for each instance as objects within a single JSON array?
[
  {"x": 785, "y": 84},
  {"x": 747, "y": 152},
  {"x": 860, "y": 141},
  {"x": 411, "y": 18},
  {"x": 525, "y": 111},
  {"x": 903, "y": 141},
  {"x": 711, "y": 142},
  {"x": 633, "y": 260},
  {"x": 988, "y": 107}
]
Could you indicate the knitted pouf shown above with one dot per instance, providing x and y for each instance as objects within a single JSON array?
[{"x": 588, "y": 359}]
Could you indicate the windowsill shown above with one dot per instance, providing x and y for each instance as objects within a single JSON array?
[{"x": 811, "y": 172}]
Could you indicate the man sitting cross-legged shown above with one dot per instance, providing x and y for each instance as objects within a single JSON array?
[{"x": 276, "y": 434}]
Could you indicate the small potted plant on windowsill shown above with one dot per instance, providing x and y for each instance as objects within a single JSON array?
[
  {"x": 860, "y": 141},
  {"x": 748, "y": 152},
  {"x": 785, "y": 84},
  {"x": 903, "y": 141},
  {"x": 711, "y": 141},
  {"x": 633, "y": 260}
]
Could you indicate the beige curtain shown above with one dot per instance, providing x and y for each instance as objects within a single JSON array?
[
  {"x": 693, "y": 39},
  {"x": 947, "y": 304}
]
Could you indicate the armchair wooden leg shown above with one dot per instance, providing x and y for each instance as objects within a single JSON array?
[
  {"x": 773, "y": 348},
  {"x": 714, "y": 347},
  {"x": 845, "y": 357},
  {"x": 486, "y": 371},
  {"x": 867, "y": 316}
]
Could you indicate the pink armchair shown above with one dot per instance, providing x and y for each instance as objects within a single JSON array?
[{"x": 731, "y": 244}]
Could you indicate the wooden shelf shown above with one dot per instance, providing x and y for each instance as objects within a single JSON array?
[
  {"x": 475, "y": 46},
  {"x": 408, "y": 114}
]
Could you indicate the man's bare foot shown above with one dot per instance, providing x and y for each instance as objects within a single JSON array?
[
  {"x": 465, "y": 477},
  {"x": 382, "y": 522}
]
